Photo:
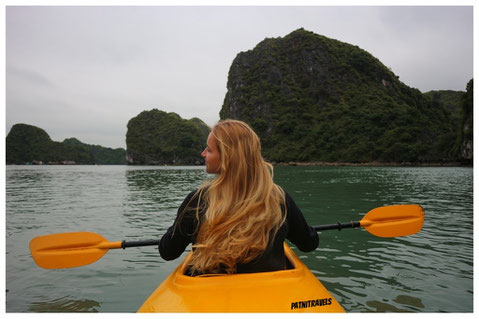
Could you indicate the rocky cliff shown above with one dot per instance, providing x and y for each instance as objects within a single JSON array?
[
  {"x": 460, "y": 105},
  {"x": 156, "y": 137},
  {"x": 311, "y": 98},
  {"x": 466, "y": 128}
]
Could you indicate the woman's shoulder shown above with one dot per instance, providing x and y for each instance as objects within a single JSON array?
[
  {"x": 194, "y": 197},
  {"x": 288, "y": 197},
  {"x": 197, "y": 193},
  {"x": 291, "y": 206},
  {"x": 187, "y": 212},
  {"x": 191, "y": 194}
]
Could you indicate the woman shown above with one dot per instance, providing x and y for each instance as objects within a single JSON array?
[{"x": 237, "y": 222}]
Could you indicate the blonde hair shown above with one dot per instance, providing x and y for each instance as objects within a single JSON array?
[{"x": 243, "y": 204}]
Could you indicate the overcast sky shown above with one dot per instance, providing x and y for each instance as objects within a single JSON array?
[{"x": 84, "y": 72}]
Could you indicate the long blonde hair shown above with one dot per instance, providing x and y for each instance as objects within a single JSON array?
[{"x": 243, "y": 203}]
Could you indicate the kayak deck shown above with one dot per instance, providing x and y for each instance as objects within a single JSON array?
[{"x": 292, "y": 290}]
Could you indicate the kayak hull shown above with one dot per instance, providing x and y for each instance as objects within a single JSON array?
[{"x": 287, "y": 291}]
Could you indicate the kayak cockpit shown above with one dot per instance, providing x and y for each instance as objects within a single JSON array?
[
  {"x": 290, "y": 290},
  {"x": 186, "y": 270}
]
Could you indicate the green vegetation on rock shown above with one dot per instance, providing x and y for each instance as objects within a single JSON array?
[
  {"x": 311, "y": 98},
  {"x": 448, "y": 99},
  {"x": 465, "y": 136},
  {"x": 156, "y": 137},
  {"x": 29, "y": 144}
]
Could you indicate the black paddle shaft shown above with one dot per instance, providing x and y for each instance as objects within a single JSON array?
[
  {"x": 155, "y": 242},
  {"x": 337, "y": 226},
  {"x": 140, "y": 243}
]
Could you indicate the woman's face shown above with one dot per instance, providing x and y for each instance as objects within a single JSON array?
[{"x": 211, "y": 156}]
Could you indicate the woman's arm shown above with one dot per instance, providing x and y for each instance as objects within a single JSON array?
[
  {"x": 180, "y": 234},
  {"x": 299, "y": 232}
]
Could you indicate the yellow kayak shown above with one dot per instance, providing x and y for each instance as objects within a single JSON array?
[{"x": 288, "y": 291}]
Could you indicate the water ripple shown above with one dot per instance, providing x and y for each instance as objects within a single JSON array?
[{"x": 431, "y": 271}]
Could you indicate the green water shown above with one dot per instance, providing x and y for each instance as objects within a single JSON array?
[{"x": 431, "y": 271}]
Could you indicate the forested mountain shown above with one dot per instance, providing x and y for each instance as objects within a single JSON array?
[
  {"x": 312, "y": 98},
  {"x": 30, "y": 144},
  {"x": 156, "y": 137}
]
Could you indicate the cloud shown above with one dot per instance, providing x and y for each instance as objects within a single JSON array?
[{"x": 28, "y": 77}]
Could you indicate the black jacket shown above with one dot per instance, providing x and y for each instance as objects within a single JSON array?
[{"x": 295, "y": 229}]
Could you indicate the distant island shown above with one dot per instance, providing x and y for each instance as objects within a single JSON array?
[
  {"x": 28, "y": 144},
  {"x": 156, "y": 137}
]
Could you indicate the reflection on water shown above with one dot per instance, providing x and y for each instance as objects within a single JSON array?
[
  {"x": 433, "y": 268},
  {"x": 65, "y": 304},
  {"x": 150, "y": 204},
  {"x": 409, "y": 301},
  {"x": 415, "y": 305},
  {"x": 153, "y": 196},
  {"x": 431, "y": 271}
]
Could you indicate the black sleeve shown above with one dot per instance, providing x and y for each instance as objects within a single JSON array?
[
  {"x": 299, "y": 232},
  {"x": 177, "y": 238}
]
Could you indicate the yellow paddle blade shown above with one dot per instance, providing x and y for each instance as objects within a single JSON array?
[
  {"x": 394, "y": 221},
  {"x": 68, "y": 250}
]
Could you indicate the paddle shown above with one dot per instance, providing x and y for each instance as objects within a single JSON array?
[
  {"x": 77, "y": 249},
  {"x": 387, "y": 221}
]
